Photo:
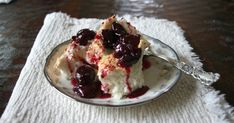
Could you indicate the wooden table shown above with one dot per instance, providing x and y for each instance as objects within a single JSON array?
[{"x": 208, "y": 26}]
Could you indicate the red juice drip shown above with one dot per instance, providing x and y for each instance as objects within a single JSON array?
[
  {"x": 146, "y": 63},
  {"x": 104, "y": 73},
  {"x": 74, "y": 82},
  {"x": 104, "y": 96},
  {"x": 101, "y": 94},
  {"x": 106, "y": 70},
  {"x": 94, "y": 59},
  {"x": 128, "y": 70},
  {"x": 138, "y": 92},
  {"x": 98, "y": 37}
]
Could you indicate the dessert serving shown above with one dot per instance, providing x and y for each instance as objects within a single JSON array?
[
  {"x": 113, "y": 65},
  {"x": 105, "y": 63}
]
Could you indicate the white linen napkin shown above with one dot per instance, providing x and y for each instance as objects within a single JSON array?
[
  {"x": 5, "y": 1},
  {"x": 35, "y": 101}
]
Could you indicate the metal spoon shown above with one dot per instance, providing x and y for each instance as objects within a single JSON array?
[{"x": 206, "y": 78}]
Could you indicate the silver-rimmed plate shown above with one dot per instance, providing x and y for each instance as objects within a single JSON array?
[{"x": 160, "y": 77}]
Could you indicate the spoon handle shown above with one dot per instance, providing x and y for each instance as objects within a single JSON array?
[{"x": 206, "y": 78}]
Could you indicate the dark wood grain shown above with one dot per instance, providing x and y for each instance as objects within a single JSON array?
[{"x": 208, "y": 25}]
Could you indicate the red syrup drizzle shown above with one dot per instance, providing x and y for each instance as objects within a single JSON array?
[
  {"x": 104, "y": 73},
  {"x": 138, "y": 92},
  {"x": 74, "y": 82},
  {"x": 103, "y": 95},
  {"x": 94, "y": 59},
  {"x": 146, "y": 63},
  {"x": 98, "y": 36},
  {"x": 106, "y": 69},
  {"x": 128, "y": 71},
  {"x": 100, "y": 93}
]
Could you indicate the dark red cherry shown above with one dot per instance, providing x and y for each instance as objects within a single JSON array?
[
  {"x": 74, "y": 38},
  {"x": 120, "y": 50},
  {"x": 85, "y": 75},
  {"x": 88, "y": 91},
  {"x": 118, "y": 29},
  {"x": 130, "y": 58},
  {"x": 87, "y": 86},
  {"x": 127, "y": 54},
  {"x": 133, "y": 40},
  {"x": 109, "y": 38},
  {"x": 83, "y": 36}
]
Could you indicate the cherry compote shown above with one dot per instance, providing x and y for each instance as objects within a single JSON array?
[
  {"x": 87, "y": 86},
  {"x": 124, "y": 45},
  {"x": 109, "y": 38},
  {"x": 83, "y": 36}
]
